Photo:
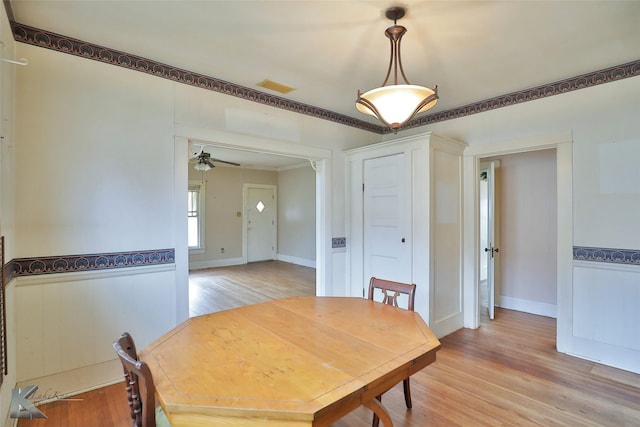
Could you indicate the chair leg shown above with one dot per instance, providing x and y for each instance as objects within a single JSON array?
[
  {"x": 407, "y": 392},
  {"x": 376, "y": 420}
]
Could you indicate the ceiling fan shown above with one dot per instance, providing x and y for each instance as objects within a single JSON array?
[{"x": 205, "y": 161}]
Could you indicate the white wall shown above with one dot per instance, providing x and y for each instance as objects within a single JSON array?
[
  {"x": 297, "y": 215},
  {"x": 607, "y": 208},
  {"x": 94, "y": 166},
  {"x": 7, "y": 193},
  {"x": 607, "y": 183}
]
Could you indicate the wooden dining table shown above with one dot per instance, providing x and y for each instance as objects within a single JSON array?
[{"x": 301, "y": 361}]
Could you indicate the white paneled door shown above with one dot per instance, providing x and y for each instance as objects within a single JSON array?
[
  {"x": 387, "y": 216},
  {"x": 491, "y": 251},
  {"x": 261, "y": 223}
]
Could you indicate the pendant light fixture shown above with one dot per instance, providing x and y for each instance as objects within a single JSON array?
[{"x": 396, "y": 104}]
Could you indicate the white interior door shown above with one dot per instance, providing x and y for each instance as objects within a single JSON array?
[
  {"x": 261, "y": 223},
  {"x": 386, "y": 213},
  {"x": 491, "y": 250}
]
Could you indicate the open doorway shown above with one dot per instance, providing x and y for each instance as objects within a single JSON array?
[
  {"x": 295, "y": 242},
  {"x": 518, "y": 233}
]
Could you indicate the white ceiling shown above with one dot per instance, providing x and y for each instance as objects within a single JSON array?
[{"x": 327, "y": 50}]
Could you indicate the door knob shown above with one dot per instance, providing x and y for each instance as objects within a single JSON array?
[{"x": 493, "y": 250}]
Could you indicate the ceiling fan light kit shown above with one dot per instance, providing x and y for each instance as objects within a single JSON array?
[
  {"x": 205, "y": 161},
  {"x": 396, "y": 104},
  {"x": 202, "y": 165}
]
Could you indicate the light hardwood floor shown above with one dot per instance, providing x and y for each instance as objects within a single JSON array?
[
  {"x": 506, "y": 373},
  {"x": 221, "y": 288}
]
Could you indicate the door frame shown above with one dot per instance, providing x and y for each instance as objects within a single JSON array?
[
  {"x": 321, "y": 161},
  {"x": 562, "y": 142},
  {"x": 420, "y": 153},
  {"x": 416, "y": 151},
  {"x": 245, "y": 234}
]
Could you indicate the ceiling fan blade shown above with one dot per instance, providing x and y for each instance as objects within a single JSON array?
[
  {"x": 211, "y": 165},
  {"x": 224, "y": 161}
]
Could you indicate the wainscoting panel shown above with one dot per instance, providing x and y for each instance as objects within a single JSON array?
[
  {"x": 605, "y": 313},
  {"x": 65, "y": 322}
]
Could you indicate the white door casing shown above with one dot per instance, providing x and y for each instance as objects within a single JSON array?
[
  {"x": 433, "y": 234},
  {"x": 562, "y": 142}
]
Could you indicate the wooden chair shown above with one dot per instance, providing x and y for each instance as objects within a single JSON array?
[
  {"x": 139, "y": 385},
  {"x": 390, "y": 293}
]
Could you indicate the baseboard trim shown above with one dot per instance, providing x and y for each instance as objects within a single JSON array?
[
  {"x": 296, "y": 260},
  {"x": 70, "y": 383},
  {"x": 528, "y": 306},
  {"x": 226, "y": 262}
]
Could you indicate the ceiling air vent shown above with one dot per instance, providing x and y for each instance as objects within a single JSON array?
[{"x": 275, "y": 86}]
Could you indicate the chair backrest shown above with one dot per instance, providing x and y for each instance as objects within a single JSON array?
[
  {"x": 398, "y": 288},
  {"x": 138, "y": 381}
]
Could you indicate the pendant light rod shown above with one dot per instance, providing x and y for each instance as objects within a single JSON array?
[
  {"x": 396, "y": 104},
  {"x": 395, "y": 33}
]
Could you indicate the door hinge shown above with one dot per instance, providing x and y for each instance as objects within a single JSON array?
[{"x": 363, "y": 192}]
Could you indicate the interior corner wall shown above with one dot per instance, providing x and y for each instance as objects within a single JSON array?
[
  {"x": 7, "y": 197},
  {"x": 297, "y": 215}
]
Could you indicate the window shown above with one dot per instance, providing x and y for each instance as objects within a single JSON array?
[{"x": 195, "y": 216}]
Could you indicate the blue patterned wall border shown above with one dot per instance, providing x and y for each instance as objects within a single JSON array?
[
  {"x": 615, "y": 256},
  {"x": 73, "y": 263},
  {"x": 60, "y": 43}
]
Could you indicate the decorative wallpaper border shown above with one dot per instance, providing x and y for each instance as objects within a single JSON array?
[
  {"x": 609, "y": 255},
  {"x": 73, "y": 263},
  {"x": 606, "y": 75},
  {"x": 60, "y": 43}
]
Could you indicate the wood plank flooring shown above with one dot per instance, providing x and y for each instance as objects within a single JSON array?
[
  {"x": 221, "y": 288},
  {"x": 506, "y": 373}
]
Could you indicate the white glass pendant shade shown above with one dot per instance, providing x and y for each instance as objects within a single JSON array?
[
  {"x": 201, "y": 166},
  {"x": 396, "y": 104}
]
